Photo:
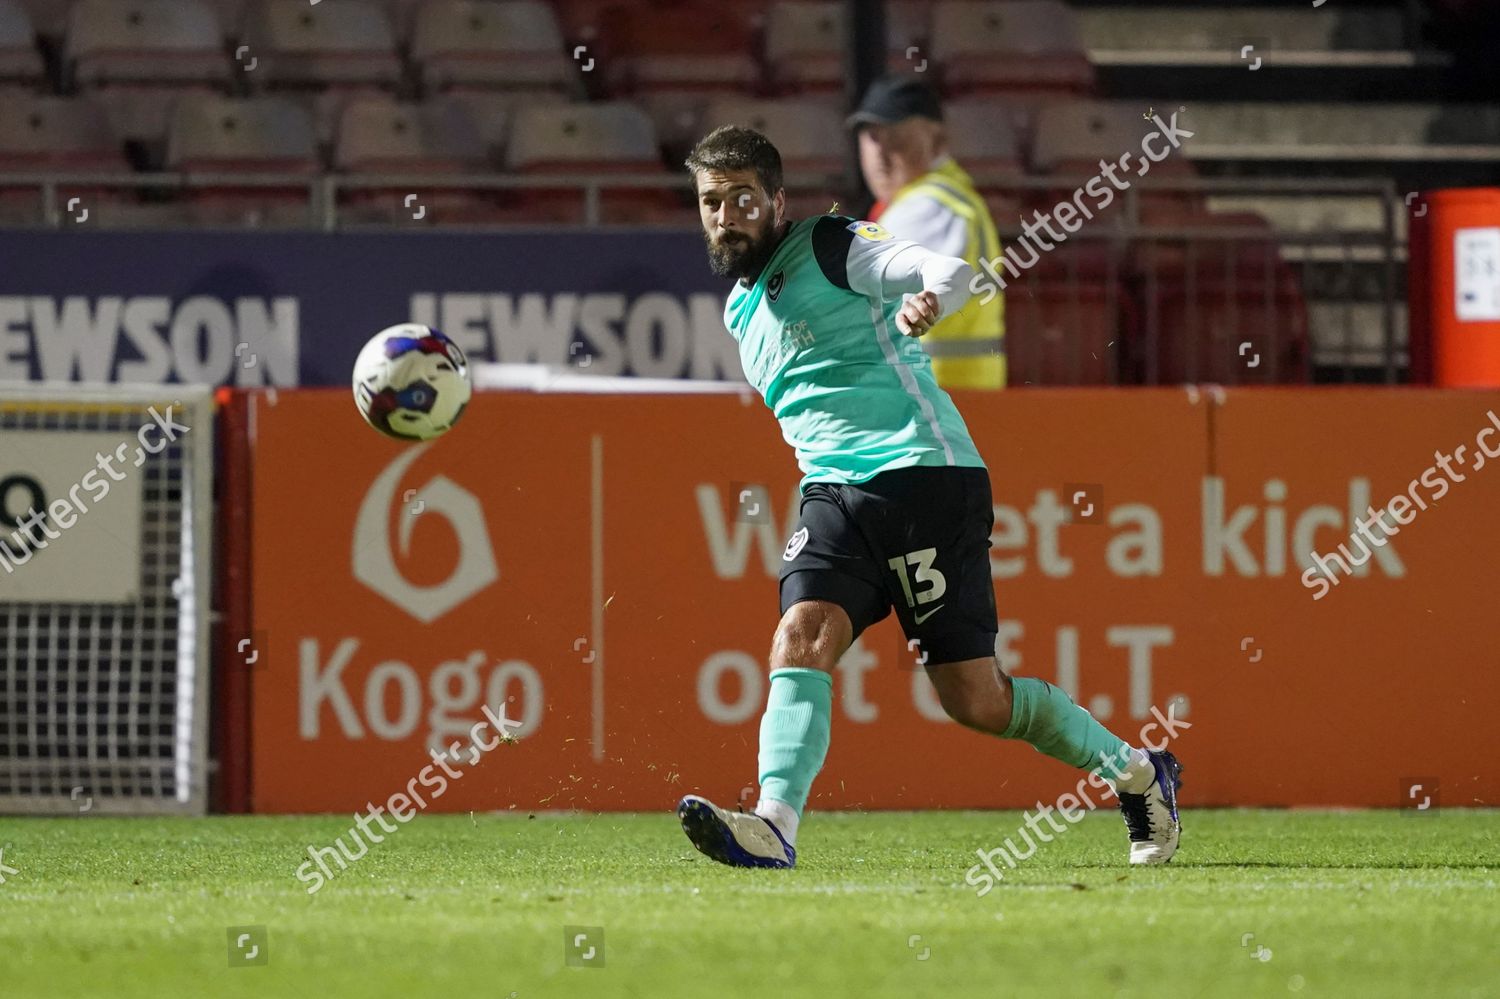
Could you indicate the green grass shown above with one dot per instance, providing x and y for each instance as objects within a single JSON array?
[{"x": 1350, "y": 904}]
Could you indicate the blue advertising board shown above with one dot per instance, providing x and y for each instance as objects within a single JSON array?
[{"x": 294, "y": 308}]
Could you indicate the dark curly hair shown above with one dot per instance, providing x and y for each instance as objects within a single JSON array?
[{"x": 733, "y": 147}]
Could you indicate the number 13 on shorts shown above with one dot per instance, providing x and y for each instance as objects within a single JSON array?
[{"x": 923, "y": 576}]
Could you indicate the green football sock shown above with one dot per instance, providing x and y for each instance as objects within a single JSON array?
[
  {"x": 1044, "y": 716},
  {"x": 794, "y": 734}
]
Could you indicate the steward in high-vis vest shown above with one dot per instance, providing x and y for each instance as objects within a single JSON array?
[{"x": 926, "y": 197}]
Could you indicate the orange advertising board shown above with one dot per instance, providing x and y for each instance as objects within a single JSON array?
[{"x": 602, "y": 571}]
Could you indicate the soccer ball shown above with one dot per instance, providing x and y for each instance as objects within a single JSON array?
[{"x": 411, "y": 382}]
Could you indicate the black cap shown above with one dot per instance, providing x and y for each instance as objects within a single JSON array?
[{"x": 896, "y": 98}]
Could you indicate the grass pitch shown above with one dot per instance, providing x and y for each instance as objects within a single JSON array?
[{"x": 1344, "y": 904}]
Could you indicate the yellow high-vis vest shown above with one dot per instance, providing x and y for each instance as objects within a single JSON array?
[{"x": 968, "y": 347}]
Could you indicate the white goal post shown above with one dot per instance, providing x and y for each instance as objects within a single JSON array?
[{"x": 106, "y": 543}]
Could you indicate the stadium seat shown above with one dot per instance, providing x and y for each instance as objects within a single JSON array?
[
  {"x": 382, "y": 136},
  {"x": 49, "y": 18},
  {"x": 808, "y": 133},
  {"x": 1072, "y": 138},
  {"x": 403, "y": 17},
  {"x": 1064, "y": 317},
  {"x": 55, "y": 136},
  {"x": 139, "y": 56},
  {"x": 1016, "y": 45},
  {"x": 492, "y": 111},
  {"x": 908, "y": 29},
  {"x": 645, "y": 49},
  {"x": 63, "y": 134},
  {"x": 20, "y": 62},
  {"x": 805, "y": 45},
  {"x": 607, "y": 138},
  {"x": 244, "y": 136},
  {"x": 1217, "y": 304},
  {"x": 241, "y": 135},
  {"x": 985, "y": 139},
  {"x": 479, "y": 43},
  {"x": 145, "y": 42},
  {"x": 802, "y": 130},
  {"x": 583, "y": 20},
  {"x": 231, "y": 15},
  {"x": 982, "y": 135},
  {"x": 333, "y": 44}
]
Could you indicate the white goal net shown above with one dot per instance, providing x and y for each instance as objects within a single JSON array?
[{"x": 106, "y": 509}]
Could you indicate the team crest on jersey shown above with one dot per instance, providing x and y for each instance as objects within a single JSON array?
[
  {"x": 794, "y": 546},
  {"x": 774, "y": 286},
  {"x": 868, "y": 230}
]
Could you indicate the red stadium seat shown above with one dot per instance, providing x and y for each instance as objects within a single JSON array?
[
  {"x": 334, "y": 44},
  {"x": 20, "y": 62},
  {"x": 609, "y": 138},
  {"x": 1016, "y": 45},
  {"x": 644, "y": 52},
  {"x": 244, "y": 136},
  {"x": 479, "y": 43},
  {"x": 687, "y": 46},
  {"x": 1063, "y": 317},
  {"x": 1218, "y": 305},
  {"x": 583, "y": 20}
]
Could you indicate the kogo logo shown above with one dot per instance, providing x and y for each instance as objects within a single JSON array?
[{"x": 375, "y": 563}]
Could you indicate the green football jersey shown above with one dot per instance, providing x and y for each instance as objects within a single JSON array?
[{"x": 818, "y": 339}]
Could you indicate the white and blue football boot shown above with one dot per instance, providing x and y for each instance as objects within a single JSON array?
[
  {"x": 1151, "y": 818},
  {"x": 738, "y": 839}
]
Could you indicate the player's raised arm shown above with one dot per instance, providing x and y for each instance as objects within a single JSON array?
[{"x": 864, "y": 258}]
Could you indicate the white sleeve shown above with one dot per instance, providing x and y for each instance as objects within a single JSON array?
[
  {"x": 926, "y": 220},
  {"x": 884, "y": 268}
]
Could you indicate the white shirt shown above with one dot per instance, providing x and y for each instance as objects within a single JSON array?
[{"x": 924, "y": 219}]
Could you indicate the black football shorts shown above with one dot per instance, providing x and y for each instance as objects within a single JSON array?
[{"x": 916, "y": 539}]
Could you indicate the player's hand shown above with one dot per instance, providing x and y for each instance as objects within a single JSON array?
[{"x": 918, "y": 313}]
